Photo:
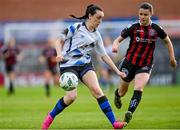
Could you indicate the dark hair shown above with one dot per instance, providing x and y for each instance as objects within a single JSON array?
[
  {"x": 146, "y": 5},
  {"x": 91, "y": 9}
]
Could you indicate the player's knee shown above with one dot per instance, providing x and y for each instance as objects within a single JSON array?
[
  {"x": 139, "y": 88},
  {"x": 72, "y": 97},
  {"x": 97, "y": 92}
]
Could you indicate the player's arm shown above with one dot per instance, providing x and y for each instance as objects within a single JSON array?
[
  {"x": 4, "y": 52},
  {"x": 102, "y": 53},
  {"x": 116, "y": 44},
  {"x": 109, "y": 61},
  {"x": 20, "y": 57},
  {"x": 170, "y": 48},
  {"x": 1, "y": 53},
  {"x": 59, "y": 45},
  {"x": 42, "y": 57},
  {"x": 19, "y": 54},
  {"x": 163, "y": 35},
  {"x": 124, "y": 34},
  {"x": 66, "y": 34}
]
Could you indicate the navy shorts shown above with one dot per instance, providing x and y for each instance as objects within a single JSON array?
[
  {"x": 131, "y": 70},
  {"x": 79, "y": 71}
]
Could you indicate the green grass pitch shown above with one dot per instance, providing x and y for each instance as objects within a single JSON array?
[{"x": 159, "y": 109}]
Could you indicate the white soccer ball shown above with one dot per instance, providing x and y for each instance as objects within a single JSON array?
[{"x": 68, "y": 81}]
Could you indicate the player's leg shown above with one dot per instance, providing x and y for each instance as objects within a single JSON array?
[
  {"x": 126, "y": 67},
  {"x": 103, "y": 102},
  {"x": 141, "y": 80},
  {"x": 47, "y": 75},
  {"x": 64, "y": 102},
  {"x": 55, "y": 76},
  {"x": 56, "y": 79},
  {"x": 120, "y": 92},
  {"x": 11, "y": 76}
]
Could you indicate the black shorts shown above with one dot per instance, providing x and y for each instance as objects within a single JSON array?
[
  {"x": 79, "y": 71},
  {"x": 53, "y": 70},
  {"x": 131, "y": 70},
  {"x": 10, "y": 68}
]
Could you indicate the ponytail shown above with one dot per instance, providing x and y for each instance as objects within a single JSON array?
[
  {"x": 82, "y": 17},
  {"x": 91, "y": 9}
]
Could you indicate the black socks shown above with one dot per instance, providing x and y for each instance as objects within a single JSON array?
[{"x": 136, "y": 98}]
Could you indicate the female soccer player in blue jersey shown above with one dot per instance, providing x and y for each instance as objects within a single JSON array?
[
  {"x": 74, "y": 54},
  {"x": 138, "y": 60}
]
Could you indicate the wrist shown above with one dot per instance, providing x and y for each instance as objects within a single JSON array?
[{"x": 172, "y": 58}]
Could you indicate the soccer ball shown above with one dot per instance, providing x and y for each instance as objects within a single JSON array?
[{"x": 68, "y": 81}]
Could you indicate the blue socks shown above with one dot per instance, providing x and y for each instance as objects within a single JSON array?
[
  {"x": 106, "y": 108},
  {"x": 102, "y": 101},
  {"x": 60, "y": 106}
]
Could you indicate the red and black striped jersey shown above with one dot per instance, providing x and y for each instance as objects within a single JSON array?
[
  {"x": 10, "y": 54},
  {"x": 50, "y": 54},
  {"x": 142, "y": 42}
]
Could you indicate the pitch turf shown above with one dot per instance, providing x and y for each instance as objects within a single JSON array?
[{"x": 159, "y": 109}]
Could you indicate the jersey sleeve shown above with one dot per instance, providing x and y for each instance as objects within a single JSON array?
[
  {"x": 126, "y": 32},
  {"x": 69, "y": 31},
  {"x": 161, "y": 33},
  {"x": 3, "y": 50},
  {"x": 99, "y": 48}
]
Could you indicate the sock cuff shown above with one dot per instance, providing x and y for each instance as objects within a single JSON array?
[
  {"x": 102, "y": 99},
  {"x": 137, "y": 94},
  {"x": 62, "y": 102}
]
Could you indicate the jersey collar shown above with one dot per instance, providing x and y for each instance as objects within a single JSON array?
[{"x": 150, "y": 23}]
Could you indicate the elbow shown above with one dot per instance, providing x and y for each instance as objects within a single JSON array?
[{"x": 59, "y": 42}]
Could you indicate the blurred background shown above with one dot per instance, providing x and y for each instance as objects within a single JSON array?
[{"x": 31, "y": 23}]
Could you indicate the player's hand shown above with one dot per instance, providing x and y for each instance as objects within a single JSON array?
[
  {"x": 59, "y": 58},
  {"x": 122, "y": 74},
  {"x": 173, "y": 63},
  {"x": 115, "y": 47},
  {"x": 53, "y": 59}
]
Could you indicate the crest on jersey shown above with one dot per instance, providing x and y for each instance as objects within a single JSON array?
[
  {"x": 151, "y": 32},
  {"x": 138, "y": 39},
  {"x": 125, "y": 71}
]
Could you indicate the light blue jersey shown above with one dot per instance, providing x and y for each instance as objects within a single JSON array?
[{"x": 78, "y": 45}]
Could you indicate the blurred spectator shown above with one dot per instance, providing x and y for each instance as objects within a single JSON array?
[
  {"x": 1, "y": 74},
  {"x": 49, "y": 57},
  {"x": 10, "y": 55}
]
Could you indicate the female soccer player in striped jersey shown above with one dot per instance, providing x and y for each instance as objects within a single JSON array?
[
  {"x": 74, "y": 54},
  {"x": 138, "y": 60},
  {"x": 49, "y": 57},
  {"x": 10, "y": 53}
]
